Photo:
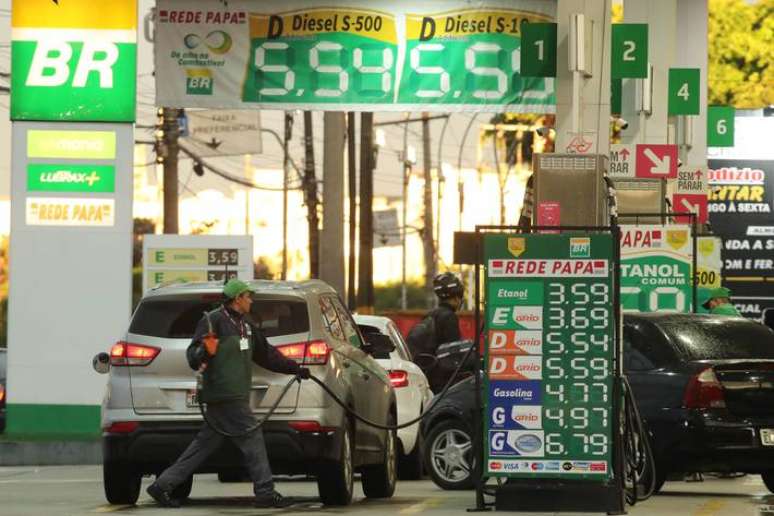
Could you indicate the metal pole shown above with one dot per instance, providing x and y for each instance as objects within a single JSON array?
[
  {"x": 310, "y": 197},
  {"x": 171, "y": 135},
  {"x": 365, "y": 295},
  {"x": 285, "y": 165},
  {"x": 404, "y": 215},
  {"x": 427, "y": 230},
  {"x": 352, "y": 179},
  {"x": 478, "y": 445}
]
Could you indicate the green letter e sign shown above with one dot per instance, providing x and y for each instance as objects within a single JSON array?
[
  {"x": 538, "y": 50},
  {"x": 683, "y": 91},
  {"x": 629, "y": 51}
]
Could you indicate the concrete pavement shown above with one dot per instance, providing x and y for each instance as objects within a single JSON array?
[{"x": 77, "y": 490}]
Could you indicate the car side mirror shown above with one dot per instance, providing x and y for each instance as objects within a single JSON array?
[
  {"x": 378, "y": 345},
  {"x": 101, "y": 363}
]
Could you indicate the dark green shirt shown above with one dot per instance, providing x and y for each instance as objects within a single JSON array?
[{"x": 228, "y": 375}]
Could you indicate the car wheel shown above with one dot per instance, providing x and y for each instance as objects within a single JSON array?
[
  {"x": 121, "y": 482},
  {"x": 411, "y": 466},
  {"x": 230, "y": 476},
  {"x": 379, "y": 479},
  {"x": 449, "y": 455},
  {"x": 334, "y": 480},
  {"x": 183, "y": 491},
  {"x": 768, "y": 479}
]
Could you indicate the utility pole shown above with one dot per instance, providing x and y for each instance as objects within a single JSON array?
[
  {"x": 365, "y": 292},
  {"x": 310, "y": 197},
  {"x": 170, "y": 134},
  {"x": 427, "y": 230},
  {"x": 285, "y": 173},
  {"x": 352, "y": 184}
]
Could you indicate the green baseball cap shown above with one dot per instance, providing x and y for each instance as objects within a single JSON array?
[
  {"x": 715, "y": 293},
  {"x": 234, "y": 288}
]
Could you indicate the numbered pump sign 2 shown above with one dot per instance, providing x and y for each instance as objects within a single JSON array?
[
  {"x": 550, "y": 356},
  {"x": 381, "y": 55}
]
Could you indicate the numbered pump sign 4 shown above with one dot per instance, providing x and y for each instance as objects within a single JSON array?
[
  {"x": 392, "y": 56},
  {"x": 549, "y": 356}
]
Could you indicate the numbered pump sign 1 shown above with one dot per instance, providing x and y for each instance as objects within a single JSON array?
[
  {"x": 550, "y": 343},
  {"x": 391, "y": 56}
]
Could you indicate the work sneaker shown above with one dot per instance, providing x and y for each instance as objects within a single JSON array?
[
  {"x": 272, "y": 500},
  {"x": 163, "y": 498}
]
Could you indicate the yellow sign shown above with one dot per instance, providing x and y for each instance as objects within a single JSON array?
[
  {"x": 517, "y": 245},
  {"x": 177, "y": 257},
  {"x": 156, "y": 278},
  {"x": 70, "y": 211},
  {"x": 311, "y": 22},
  {"x": 677, "y": 238},
  {"x": 709, "y": 265}
]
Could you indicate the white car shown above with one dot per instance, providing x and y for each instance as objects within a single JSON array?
[{"x": 412, "y": 392}]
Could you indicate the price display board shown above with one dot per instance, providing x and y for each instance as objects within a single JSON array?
[
  {"x": 381, "y": 55},
  {"x": 550, "y": 348},
  {"x": 190, "y": 258},
  {"x": 656, "y": 265}
]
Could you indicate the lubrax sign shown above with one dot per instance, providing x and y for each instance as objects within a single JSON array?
[{"x": 73, "y": 60}]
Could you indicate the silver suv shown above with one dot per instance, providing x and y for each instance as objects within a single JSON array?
[{"x": 150, "y": 413}]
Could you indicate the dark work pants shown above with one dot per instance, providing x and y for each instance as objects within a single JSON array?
[{"x": 231, "y": 417}]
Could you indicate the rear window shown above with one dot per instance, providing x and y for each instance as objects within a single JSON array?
[
  {"x": 176, "y": 318},
  {"x": 721, "y": 339}
]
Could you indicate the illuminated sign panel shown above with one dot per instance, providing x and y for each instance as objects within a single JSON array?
[
  {"x": 550, "y": 330},
  {"x": 71, "y": 144},
  {"x": 391, "y": 56},
  {"x": 68, "y": 211},
  {"x": 70, "y": 178},
  {"x": 73, "y": 60}
]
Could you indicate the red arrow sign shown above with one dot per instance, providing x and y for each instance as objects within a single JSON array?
[
  {"x": 654, "y": 161},
  {"x": 690, "y": 203}
]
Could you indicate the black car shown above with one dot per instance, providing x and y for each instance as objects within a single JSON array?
[
  {"x": 704, "y": 385},
  {"x": 3, "y": 366}
]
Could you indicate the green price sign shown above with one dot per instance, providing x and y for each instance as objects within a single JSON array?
[
  {"x": 720, "y": 126},
  {"x": 365, "y": 59},
  {"x": 656, "y": 264},
  {"x": 550, "y": 342},
  {"x": 538, "y": 50},
  {"x": 683, "y": 88},
  {"x": 629, "y": 51}
]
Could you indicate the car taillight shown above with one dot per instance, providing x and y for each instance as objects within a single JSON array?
[
  {"x": 2, "y": 393},
  {"x": 310, "y": 426},
  {"x": 399, "y": 379},
  {"x": 317, "y": 352},
  {"x": 704, "y": 391},
  {"x": 128, "y": 354},
  {"x": 122, "y": 427}
]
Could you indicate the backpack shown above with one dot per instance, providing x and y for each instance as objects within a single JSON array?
[{"x": 421, "y": 341}]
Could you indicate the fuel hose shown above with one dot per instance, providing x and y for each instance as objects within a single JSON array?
[{"x": 333, "y": 396}]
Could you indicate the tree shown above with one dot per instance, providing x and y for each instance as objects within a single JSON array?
[{"x": 741, "y": 53}]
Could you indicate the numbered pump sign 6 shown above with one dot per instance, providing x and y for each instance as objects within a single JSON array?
[
  {"x": 550, "y": 356},
  {"x": 391, "y": 56}
]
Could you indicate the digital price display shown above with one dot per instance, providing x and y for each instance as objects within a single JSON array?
[
  {"x": 550, "y": 343},
  {"x": 463, "y": 58},
  {"x": 656, "y": 262}
]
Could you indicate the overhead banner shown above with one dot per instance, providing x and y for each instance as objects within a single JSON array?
[
  {"x": 550, "y": 343},
  {"x": 223, "y": 132},
  {"x": 656, "y": 264},
  {"x": 391, "y": 56}
]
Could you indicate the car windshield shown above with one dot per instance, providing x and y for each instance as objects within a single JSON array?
[
  {"x": 176, "y": 317},
  {"x": 721, "y": 339}
]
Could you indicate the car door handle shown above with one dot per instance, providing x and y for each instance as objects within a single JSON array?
[
  {"x": 347, "y": 363},
  {"x": 365, "y": 376}
]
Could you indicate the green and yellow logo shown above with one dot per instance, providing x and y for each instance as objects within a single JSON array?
[
  {"x": 580, "y": 248},
  {"x": 74, "y": 60},
  {"x": 198, "y": 81},
  {"x": 70, "y": 178}
]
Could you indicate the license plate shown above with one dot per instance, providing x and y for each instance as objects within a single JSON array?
[
  {"x": 767, "y": 436},
  {"x": 191, "y": 400}
]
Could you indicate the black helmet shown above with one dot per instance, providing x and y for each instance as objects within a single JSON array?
[{"x": 447, "y": 285}]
